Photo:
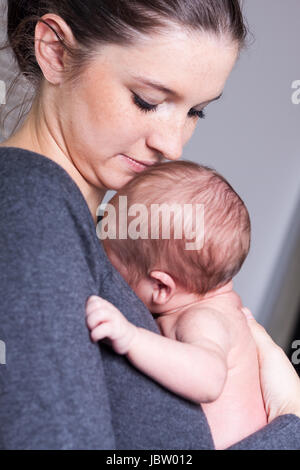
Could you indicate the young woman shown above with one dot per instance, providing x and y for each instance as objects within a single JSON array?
[{"x": 119, "y": 86}]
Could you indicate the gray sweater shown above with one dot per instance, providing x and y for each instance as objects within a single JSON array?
[{"x": 58, "y": 390}]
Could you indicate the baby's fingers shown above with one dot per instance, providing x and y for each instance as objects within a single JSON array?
[
  {"x": 101, "y": 331},
  {"x": 95, "y": 318},
  {"x": 95, "y": 303}
]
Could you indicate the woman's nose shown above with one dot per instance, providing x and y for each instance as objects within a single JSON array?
[{"x": 167, "y": 140}]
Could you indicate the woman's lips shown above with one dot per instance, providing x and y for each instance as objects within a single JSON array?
[{"x": 135, "y": 165}]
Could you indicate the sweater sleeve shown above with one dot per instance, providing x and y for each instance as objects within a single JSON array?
[
  {"x": 283, "y": 433},
  {"x": 57, "y": 389},
  {"x": 52, "y": 388}
]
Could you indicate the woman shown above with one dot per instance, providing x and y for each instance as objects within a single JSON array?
[{"x": 119, "y": 86}]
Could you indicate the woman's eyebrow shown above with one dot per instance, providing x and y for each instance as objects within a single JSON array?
[{"x": 161, "y": 87}]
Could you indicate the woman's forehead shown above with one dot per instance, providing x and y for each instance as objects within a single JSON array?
[{"x": 179, "y": 64}]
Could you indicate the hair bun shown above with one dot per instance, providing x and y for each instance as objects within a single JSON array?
[
  {"x": 21, "y": 20},
  {"x": 17, "y": 11}
]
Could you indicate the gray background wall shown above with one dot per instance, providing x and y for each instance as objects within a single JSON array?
[{"x": 252, "y": 136}]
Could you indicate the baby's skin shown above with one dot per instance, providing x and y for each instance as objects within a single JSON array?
[{"x": 206, "y": 354}]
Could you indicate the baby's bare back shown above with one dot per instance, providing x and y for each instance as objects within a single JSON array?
[{"x": 239, "y": 411}]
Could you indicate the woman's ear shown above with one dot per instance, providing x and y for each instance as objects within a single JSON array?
[
  {"x": 163, "y": 287},
  {"x": 50, "y": 53}
]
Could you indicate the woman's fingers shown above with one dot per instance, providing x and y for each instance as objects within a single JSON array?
[
  {"x": 279, "y": 382},
  {"x": 262, "y": 338},
  {"x": 247, "y": 313}
]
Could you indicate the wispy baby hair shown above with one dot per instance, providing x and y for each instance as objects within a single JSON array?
[{"x": 226, "y": 227}]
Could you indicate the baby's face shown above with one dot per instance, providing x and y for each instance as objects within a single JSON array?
[
  {"x": 159, "y": 294},
  {"x": 143, "y": 289}
]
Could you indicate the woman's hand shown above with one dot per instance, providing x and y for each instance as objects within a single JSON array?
[
  {"x": 107, "y": 322},
  {"x": 279, "y": 381}
]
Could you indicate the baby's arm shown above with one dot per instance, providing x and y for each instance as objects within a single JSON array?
[{"x": 194, "y": 366}]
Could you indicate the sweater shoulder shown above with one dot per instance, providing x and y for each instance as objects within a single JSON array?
[
  {"x": 34, "y": 185},
  {"x": 23, "y": 171},
  {"x": 40, "y": 203}
]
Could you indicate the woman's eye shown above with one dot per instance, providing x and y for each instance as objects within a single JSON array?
[
  {"x": 198, "y": 114},
  {"x": 146, "y": 107},
  {"x": 143, "y": 105}
]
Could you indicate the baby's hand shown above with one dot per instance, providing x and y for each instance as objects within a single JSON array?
[{"x": 106, "y": 321}]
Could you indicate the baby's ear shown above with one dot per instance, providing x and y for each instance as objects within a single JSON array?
[{"x": 163, "y": 287}]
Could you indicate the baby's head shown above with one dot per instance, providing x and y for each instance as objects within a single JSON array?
[{"x": 161, "y": 270}]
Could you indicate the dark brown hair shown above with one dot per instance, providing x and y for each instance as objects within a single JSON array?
[
  {"x": 95, "y": 22},
  {"x": 105, "y": 21},
  {"x": 227, "y": 227}
]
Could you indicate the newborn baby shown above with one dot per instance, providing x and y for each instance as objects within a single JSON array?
[{"x": 206, "y": 352}]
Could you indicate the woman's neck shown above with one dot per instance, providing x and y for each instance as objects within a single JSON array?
[{"x": 36, "y": 135}]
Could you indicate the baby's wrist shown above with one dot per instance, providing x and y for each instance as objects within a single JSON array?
[{"x": 135, "y": 334}]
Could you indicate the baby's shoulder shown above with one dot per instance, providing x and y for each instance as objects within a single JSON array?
[
  {"x": 221, "y": 310},
  {"x": 204, "y": 327},
  {"x": 202, "y": 313},
  {"x": 214, "y": 323},
  {"x": 202, "y": 319}
]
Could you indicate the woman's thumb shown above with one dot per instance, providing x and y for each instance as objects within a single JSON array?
[
  {"x": 262, "y": 339},
  {"x": 247, "y": 313}
]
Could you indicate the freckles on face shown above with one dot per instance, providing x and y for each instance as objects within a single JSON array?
[
  {"x": 104, "y": 121},
  {"x": 103, "y": 126},
  {"x": 104, "y": 110}
]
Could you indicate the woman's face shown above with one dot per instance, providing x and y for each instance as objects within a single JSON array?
[{"x": 113, "y": 117}]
